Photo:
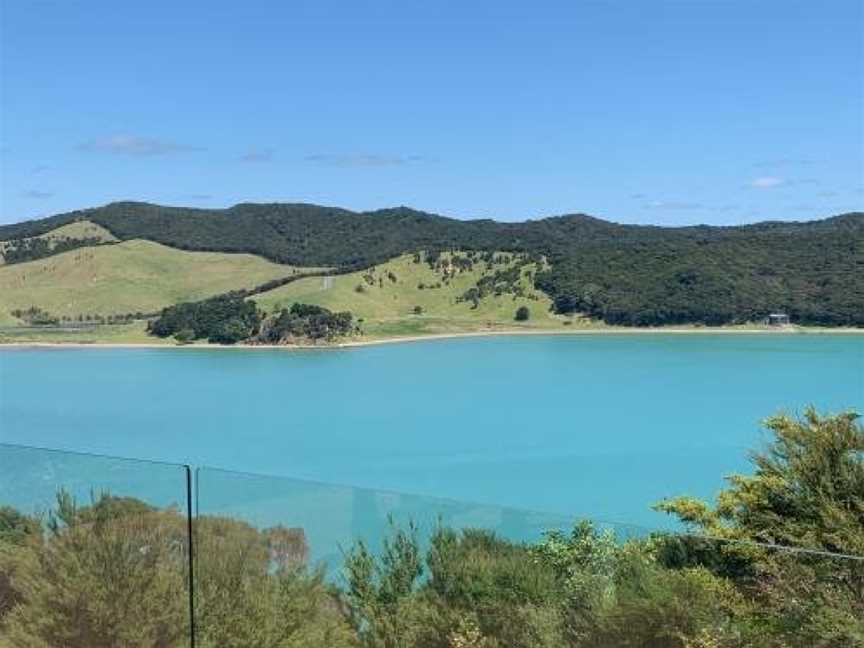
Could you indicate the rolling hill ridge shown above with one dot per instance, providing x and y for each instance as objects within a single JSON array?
[{"x": 621, "y": 274}]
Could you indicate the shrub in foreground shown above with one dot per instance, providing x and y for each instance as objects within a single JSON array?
[{"x": 114, "y": 573}]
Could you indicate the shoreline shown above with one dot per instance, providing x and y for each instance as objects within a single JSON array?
[{"x": 438, "y": 336}]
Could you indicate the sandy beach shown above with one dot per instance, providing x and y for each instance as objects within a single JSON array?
[{"x": 443, "y": 336}]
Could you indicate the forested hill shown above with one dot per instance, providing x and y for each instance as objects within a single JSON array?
[{"x": 624, "y": 274}]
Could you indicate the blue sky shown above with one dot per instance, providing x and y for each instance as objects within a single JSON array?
[{"x": 636, "y": 111}]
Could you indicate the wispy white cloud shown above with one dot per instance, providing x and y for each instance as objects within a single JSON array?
[
  {"x": 258, "y": 155},
  {"x": 363, "y": 159},
  {"x": 135, "y": 145},
  {"x": 767, "y": 182},
  {"x": 37, "y": 194},
  {"x": 771, "y": 182}
]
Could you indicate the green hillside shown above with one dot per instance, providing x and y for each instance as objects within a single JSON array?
[
  {"x": 621, "y": 274},
  {"x": 76, "y": 230},
  {"x": 66, "y": 237},
  {"x": 128, "y": 277},
  {"x": 410, "y": 295}
]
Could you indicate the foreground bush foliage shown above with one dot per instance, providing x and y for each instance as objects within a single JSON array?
[
  {"x": 107, "y": 575},
  {"x": 253, "y": 588},
  {"x": 114, "y": 573}
]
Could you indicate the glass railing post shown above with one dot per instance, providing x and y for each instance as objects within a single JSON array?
[{"x": 190, "y": 543}]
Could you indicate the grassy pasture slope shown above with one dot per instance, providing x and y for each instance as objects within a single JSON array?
[
  {"x": 387, "y": 308},
  {"x": 127, "y": 277},
  {"x": 77, "y": 230}
]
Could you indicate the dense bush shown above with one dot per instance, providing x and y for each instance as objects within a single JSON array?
[
  {"x": 111, "y": 574},
  {"x": 115, "y": 574},
  {"x": 807, "y": 491},
  {"x": 305, "y": 322},
  {"x": 230, "y": 318},
  {"x": 253, "y": 588},
  {"x": 623, "y": 274},
  {"x": 226, "y": 319}
]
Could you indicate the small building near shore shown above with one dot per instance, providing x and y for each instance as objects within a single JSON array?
[{"x": 777, "y": 319}]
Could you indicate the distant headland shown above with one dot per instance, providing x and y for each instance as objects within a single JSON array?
[{"x": 299, "y": 274}]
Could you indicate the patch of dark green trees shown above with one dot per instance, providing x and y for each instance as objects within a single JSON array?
[{"x": 230, "y": 318}]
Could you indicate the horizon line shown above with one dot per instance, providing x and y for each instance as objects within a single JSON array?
[{"x": 431, "y": 213}]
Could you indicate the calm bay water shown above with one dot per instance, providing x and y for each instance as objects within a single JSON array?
[{"x": 589, "y": 425}]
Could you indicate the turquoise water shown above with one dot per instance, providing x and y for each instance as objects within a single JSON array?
[{"x": 587, "y": 425}]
